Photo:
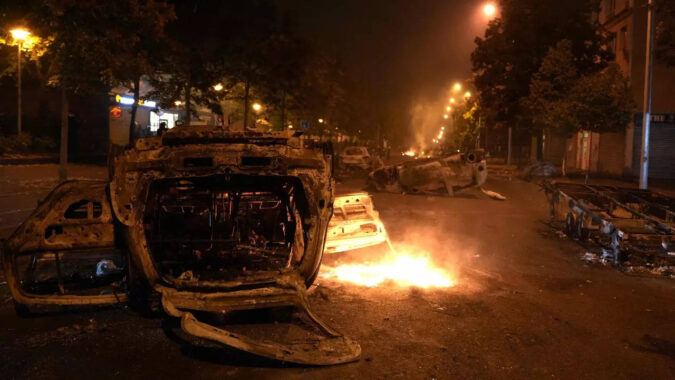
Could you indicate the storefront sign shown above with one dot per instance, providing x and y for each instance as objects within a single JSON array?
[
  {"x": 128, "y": 100},
  {"x": 115, "y": 112}
]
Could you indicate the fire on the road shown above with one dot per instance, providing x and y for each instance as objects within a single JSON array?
[{"x": 401, "y": 269}]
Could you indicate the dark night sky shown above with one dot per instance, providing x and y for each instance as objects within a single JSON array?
[{"x": 406, "y": 50}]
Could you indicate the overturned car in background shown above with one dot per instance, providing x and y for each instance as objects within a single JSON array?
[
  {"x": 200, "y": 219},
  {"x": 438, "y": 176}
]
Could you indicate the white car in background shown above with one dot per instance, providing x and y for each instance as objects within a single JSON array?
[{"x": 356, "y": 157}]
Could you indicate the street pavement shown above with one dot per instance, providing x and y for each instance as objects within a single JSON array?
[{"x": 525, "y": 305}]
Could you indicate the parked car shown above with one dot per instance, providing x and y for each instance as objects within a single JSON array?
[{"x": 355, "y": 157}]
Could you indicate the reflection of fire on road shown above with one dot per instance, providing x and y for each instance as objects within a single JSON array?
[{"x": 405, "y": 269}]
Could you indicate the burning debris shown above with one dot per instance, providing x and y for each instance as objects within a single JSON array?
[
  {"x": 445, "y": 175},
  {"x": 629, "y": 225},
  {"x": 400, "y": 269},
  {"x": 203, "y": 219}
]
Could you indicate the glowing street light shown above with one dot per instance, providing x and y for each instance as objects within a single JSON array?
[
  {"x": 20, "y": 36},
  {"x": 320, "y": 121},
  {"x": 445, "y": 116},
  {"x": 290, "y": 126},
  {"x": 457, "y": 87},
  {"x": 256, "y": 107},
  {"x": 452, "y": 100},
  {"x": 467, "y": 94},
  {"x": 448, "y": 108},
  {"x": 178, "y": 103},
  {"x": 489, "y": 10},
  {"x": 218, "y": 87}
]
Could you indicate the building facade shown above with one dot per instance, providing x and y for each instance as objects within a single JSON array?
[{"x": 618, "y": 154}]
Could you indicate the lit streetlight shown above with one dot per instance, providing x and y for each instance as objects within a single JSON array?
[
  {"x": 452, "y": 100},
  {"x": 20, "y": 36},
  {"x": 218, "y": 87},
  {"x": 448, "y": 108},
  {"x": 178, "y": 103},
  {"x": 290, "y": 126},
  {"x": 489, "y": 10},
  {"x": 320, "y": 121},
  {"x": 467, "y": 94},
  {"x": 445, "y": 116},
  {"x": 457, "y": 87},
  {"x": 256, "y": 107}
]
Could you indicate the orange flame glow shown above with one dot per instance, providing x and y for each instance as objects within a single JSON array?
[{"x": 401, "y": 269}]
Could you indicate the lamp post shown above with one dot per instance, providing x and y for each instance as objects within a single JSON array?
[
  {"x": 647, "y": 101},
  {"x": 19, "y": 35}
]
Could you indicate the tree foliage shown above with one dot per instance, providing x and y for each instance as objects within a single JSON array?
[
  {"x": 514, "y": 45},
  {"x": 665, "y": 32},
  {"x": 565, "y": 102}
]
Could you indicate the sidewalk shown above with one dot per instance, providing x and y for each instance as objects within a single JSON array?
[{"x": 22, "y": 186}]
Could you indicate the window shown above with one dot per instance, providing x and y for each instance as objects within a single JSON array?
[
  {"x": 83, "y": 209},
  {"x": 623, "y": 42}
]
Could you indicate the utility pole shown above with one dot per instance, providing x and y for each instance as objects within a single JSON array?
[
  {"x": 508, "y": 155},
  {"x": 18, "y": 85},
  {"x": 647, "y": 101}
]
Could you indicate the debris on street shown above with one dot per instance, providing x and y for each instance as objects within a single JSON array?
[
  {"x": 629, "y": 225},
  {"x": 355, "y": 224}
]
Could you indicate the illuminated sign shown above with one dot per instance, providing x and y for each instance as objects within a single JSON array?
[
  {"x": 115, "y": 112},
  {"x": 128, "y": 100}
]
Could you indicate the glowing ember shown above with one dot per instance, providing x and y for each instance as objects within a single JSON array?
[
  {"x": 410, "y": 153},
  {"x": 402, "y": 270}
]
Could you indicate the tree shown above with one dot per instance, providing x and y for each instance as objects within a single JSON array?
[
  {"x": 565, "y": 102},
  {"x": 466, "y": 125},
  {"x": 665, "y": 32},
  {"x": 514, "y": 45}
]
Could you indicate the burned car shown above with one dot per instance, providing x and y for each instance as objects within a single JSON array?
[
  {"x": 355, "y": 224},
  {"x": 200, "y": 219},
  {"x": 440, "y": 175}
]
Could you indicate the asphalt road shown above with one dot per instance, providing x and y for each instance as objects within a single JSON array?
[{"x": 525, "y": 306}]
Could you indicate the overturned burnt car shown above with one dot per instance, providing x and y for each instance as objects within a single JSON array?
[
  {"x": 438, "y": 175},
  {"x": 200, "y": 219}
]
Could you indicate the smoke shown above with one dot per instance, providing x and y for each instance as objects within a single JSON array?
[{"x": 426, "y": 120}]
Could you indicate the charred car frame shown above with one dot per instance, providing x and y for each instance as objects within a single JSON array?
[{"x": 203, "y": 219}]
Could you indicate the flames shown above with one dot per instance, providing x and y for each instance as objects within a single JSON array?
[{"x": 401, "y": 269}]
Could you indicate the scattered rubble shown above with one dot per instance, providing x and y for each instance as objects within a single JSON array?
[{"x": 628, "y": 225}]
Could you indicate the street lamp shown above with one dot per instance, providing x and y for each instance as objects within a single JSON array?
[
  {"x": 457, "y": 87},
  {"x": 20, "y": 36},
  {"x": 445, "y": 116},
  {"x": 218, "y": 87},
  {"x": 178, "y": 103},
  {"x": 320, "y": 121},
  {"x": 256, "y": 107},
  {"x": 489, "y": 10},
  {"x": 448, "y": 108},
  {"x": 467, "y": 94},
  {"x": 452, "y": 100}
]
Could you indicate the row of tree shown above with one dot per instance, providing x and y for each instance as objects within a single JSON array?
[
  {"x": 547, "y": 65},
  {"x": 183, "y": 48}
]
